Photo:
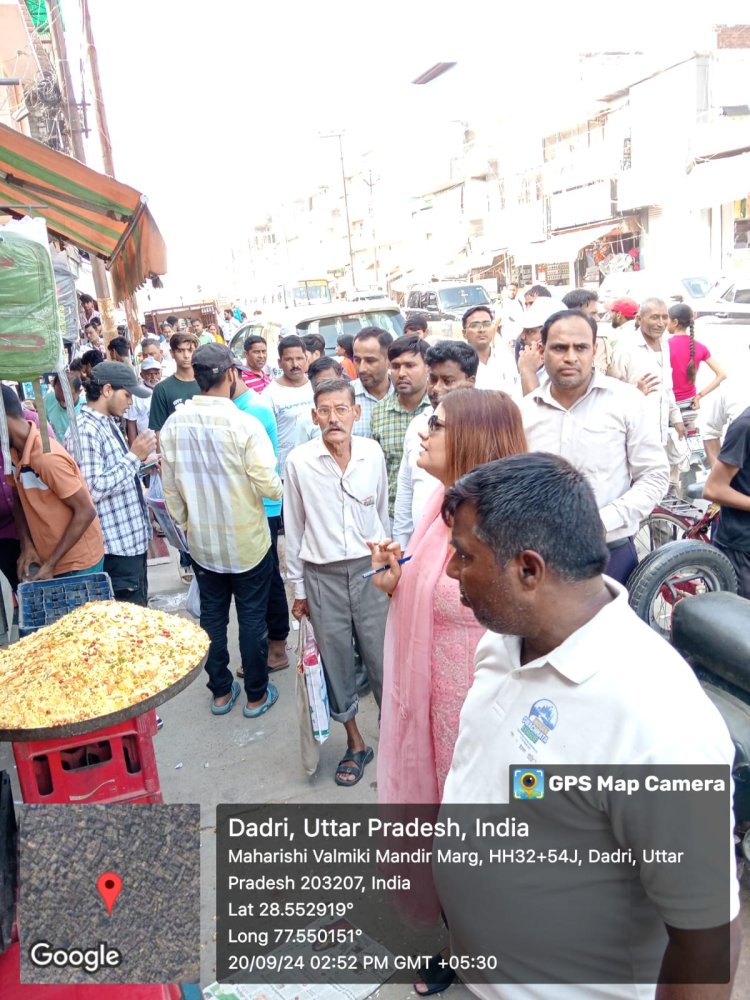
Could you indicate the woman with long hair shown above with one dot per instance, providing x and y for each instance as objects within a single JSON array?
[
  {"x": 686, "y": 355},
  {"x": 431, "y": 636}
]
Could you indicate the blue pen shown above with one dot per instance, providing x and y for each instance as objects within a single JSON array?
[{"x": 382, "y": 569}]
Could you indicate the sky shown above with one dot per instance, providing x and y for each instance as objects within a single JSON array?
[{"x": 215, "y": 109}]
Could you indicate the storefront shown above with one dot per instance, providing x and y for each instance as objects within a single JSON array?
[{"x": 581, "y": 257}]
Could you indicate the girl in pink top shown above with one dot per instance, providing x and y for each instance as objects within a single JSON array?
[{"x": 686, "y": 355}]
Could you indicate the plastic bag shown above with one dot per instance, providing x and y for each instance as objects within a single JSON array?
[
  {"x": 312, "y": 698},
  {"x": 193, "y": 602},
  {"x": 309, "y": 746},
  {"x": 155, "y": 499},
  {"x": 315, "y": 682}
]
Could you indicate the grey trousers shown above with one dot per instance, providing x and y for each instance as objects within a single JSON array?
[{"x": 343, "y": 605}]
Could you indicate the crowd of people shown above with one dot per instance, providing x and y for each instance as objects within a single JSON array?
[{"x": 413, "y": 457}]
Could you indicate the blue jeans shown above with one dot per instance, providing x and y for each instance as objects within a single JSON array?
[{"x": 250, "y": 591}]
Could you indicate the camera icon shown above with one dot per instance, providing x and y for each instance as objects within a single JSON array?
[{"x": 528, "y": 783}]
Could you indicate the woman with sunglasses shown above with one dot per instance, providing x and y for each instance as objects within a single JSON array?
[{"x": 431, "y": 636}]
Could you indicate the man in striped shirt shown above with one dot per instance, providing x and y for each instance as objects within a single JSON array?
[
  {"x": 217, "y": 465},
  {"x": 255, "y": 375}
]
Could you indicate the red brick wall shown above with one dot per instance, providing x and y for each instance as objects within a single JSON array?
[{"x": 735, "y": 36}]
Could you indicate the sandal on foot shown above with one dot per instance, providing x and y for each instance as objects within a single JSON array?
[
  {"x": 280, "y": 666},
  {"x": 225, "y": 709},
  {"x": 359, "y": 760},
  {"x": 272, "y": 696},
  {"x": 434, "y": 977}
]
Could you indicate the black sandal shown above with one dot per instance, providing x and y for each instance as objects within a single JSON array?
[
  {"x": 434, "y": 976},
  {"x": 360, "y": 760}
]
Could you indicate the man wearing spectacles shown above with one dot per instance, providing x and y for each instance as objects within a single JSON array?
[
  {"x": 335, "y": 501},
  {"x": 496, "y": 369}
]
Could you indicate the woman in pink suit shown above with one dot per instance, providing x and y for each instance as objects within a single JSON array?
[{"x": 431, "y": 636}]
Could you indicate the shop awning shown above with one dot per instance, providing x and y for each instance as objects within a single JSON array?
[
  {"x": 80, "y": 205},
  {"x": 562, "y": 248}
]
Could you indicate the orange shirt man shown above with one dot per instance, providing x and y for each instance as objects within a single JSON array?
[{"x": 62, "y": 532}]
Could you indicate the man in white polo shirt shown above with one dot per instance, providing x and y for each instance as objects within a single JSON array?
[{"x": 566, "y": 648}]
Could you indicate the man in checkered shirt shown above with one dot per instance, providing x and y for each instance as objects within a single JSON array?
[{"x": 111, "y": 469}]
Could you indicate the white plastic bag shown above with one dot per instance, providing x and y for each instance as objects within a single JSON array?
[
  {"x": 193, "y": 600},
  {"x": 315, "y": 683}
]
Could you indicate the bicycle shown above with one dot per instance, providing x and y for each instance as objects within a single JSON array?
[
  {"x": 674, "y": 519},
  {"x": 677, "y": 560}
]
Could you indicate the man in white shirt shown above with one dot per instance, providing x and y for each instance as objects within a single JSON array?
[
  {"x": 585, "y": 685},
  {"x": 137, "y": 414},
  {"x": 601, "y": 426},
  {"x": 496, "y": 368},
  {"x": 451, "y": 365},
  {"x": 512, "y": 311},
  {"x": 642, "y": 357},
  {"x": 335, "y": 501},
  {"x": 289, "y": 394}
]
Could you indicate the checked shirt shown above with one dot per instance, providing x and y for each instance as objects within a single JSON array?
[{"x": 111, "y": 473}]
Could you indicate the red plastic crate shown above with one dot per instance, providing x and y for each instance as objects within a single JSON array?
[{"x": 116, "y": 764}]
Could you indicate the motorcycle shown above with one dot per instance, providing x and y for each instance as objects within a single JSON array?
[{"x": 712, "y": 632}]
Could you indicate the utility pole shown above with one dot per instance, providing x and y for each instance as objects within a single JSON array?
[
  {"x": 371, "y": 184},
  {"x": 339, "y": 135},
  {"x": 105, "y": 143},
  {"x": 101, "y": 283}
]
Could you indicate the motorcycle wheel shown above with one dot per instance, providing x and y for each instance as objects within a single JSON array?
[{"x": 673, "y": 572}]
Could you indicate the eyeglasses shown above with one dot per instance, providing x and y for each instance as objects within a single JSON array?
[
  {"x": 342, "y": 410},
  {"x": 434, "y": 425},
  {"x": 484, "y": 325}
]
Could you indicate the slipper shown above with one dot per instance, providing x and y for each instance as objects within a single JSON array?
[
  {"x": 272, "y": 696},
  {"x": 360, "y": 760},
  {"x": 272, "y": 670},
  {"x": 225, "y": 709},
  {"x": 435, "y": 978}
]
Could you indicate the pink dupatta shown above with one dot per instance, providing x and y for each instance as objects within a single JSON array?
[{"x": 406, "y": 760}]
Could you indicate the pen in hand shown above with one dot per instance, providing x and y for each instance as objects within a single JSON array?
[{"x": 382, "y": 569}]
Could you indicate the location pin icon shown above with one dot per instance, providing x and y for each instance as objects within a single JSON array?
[{"x": 109, "y": 885}]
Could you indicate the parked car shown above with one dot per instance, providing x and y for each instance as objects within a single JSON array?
[
  {"x": 443, "y": 304},
  {"x": 640, "y": 285},
  {"x": 728, "y": 302},
  {"x": 330, "y": 320}
]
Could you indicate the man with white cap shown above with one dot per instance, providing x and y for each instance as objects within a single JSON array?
[{"x": 137, "y": 413}]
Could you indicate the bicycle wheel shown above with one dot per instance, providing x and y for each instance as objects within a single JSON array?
[
  {"x": 678, "y": 570},
  {"x": 658, "y": 529}
]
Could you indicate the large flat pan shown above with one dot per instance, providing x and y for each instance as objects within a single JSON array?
[{"x": 91, "y": 725}]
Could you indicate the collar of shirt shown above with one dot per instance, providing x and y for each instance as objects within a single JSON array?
[
  {"x": 356, "y": 456},
  {"x": 567, "y": 658},
  {"x": 392, "y": 402},
  {"x": 543, "y": 392},
  {"x": 359, "y": 390}
]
